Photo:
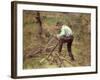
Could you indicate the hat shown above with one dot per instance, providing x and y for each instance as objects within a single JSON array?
[{"x": 59, "y": 23}]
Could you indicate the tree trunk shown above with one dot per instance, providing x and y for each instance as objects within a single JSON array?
[{"x": 40, "y": 30}]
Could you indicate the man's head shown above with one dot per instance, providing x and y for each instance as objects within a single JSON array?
[{"x": 59, "y": 25}]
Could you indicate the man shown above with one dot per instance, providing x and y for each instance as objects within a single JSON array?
[{"x": 65, "y": 36}]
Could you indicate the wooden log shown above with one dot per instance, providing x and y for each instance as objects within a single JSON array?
[
  {"x": 33, "y": 52},
  {"x": 49, "y": 53},
  {"x": 61, "y": 64}
]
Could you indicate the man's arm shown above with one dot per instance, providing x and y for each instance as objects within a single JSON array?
[{"x": 62, "y": 33}]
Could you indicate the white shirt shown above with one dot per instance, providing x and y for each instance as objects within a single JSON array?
[{"x": 65, "y": 31}]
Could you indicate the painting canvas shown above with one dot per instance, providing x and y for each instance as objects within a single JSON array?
[
  {"x": 53, "y": 39},
  {"x": 37, "y": 47}
]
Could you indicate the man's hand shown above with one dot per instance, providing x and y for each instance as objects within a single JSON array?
[{"x": 57, "y": 37}]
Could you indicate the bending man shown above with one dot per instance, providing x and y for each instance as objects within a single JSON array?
[{"x": 65, "y": 36}]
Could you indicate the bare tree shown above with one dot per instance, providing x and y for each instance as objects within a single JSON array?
[{"x": 39, "y": 21}]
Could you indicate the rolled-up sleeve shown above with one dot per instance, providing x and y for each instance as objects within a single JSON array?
[{"x": 61, "y": 33}]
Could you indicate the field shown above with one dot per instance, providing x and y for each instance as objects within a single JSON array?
[{"x": 38, "y": 31}]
